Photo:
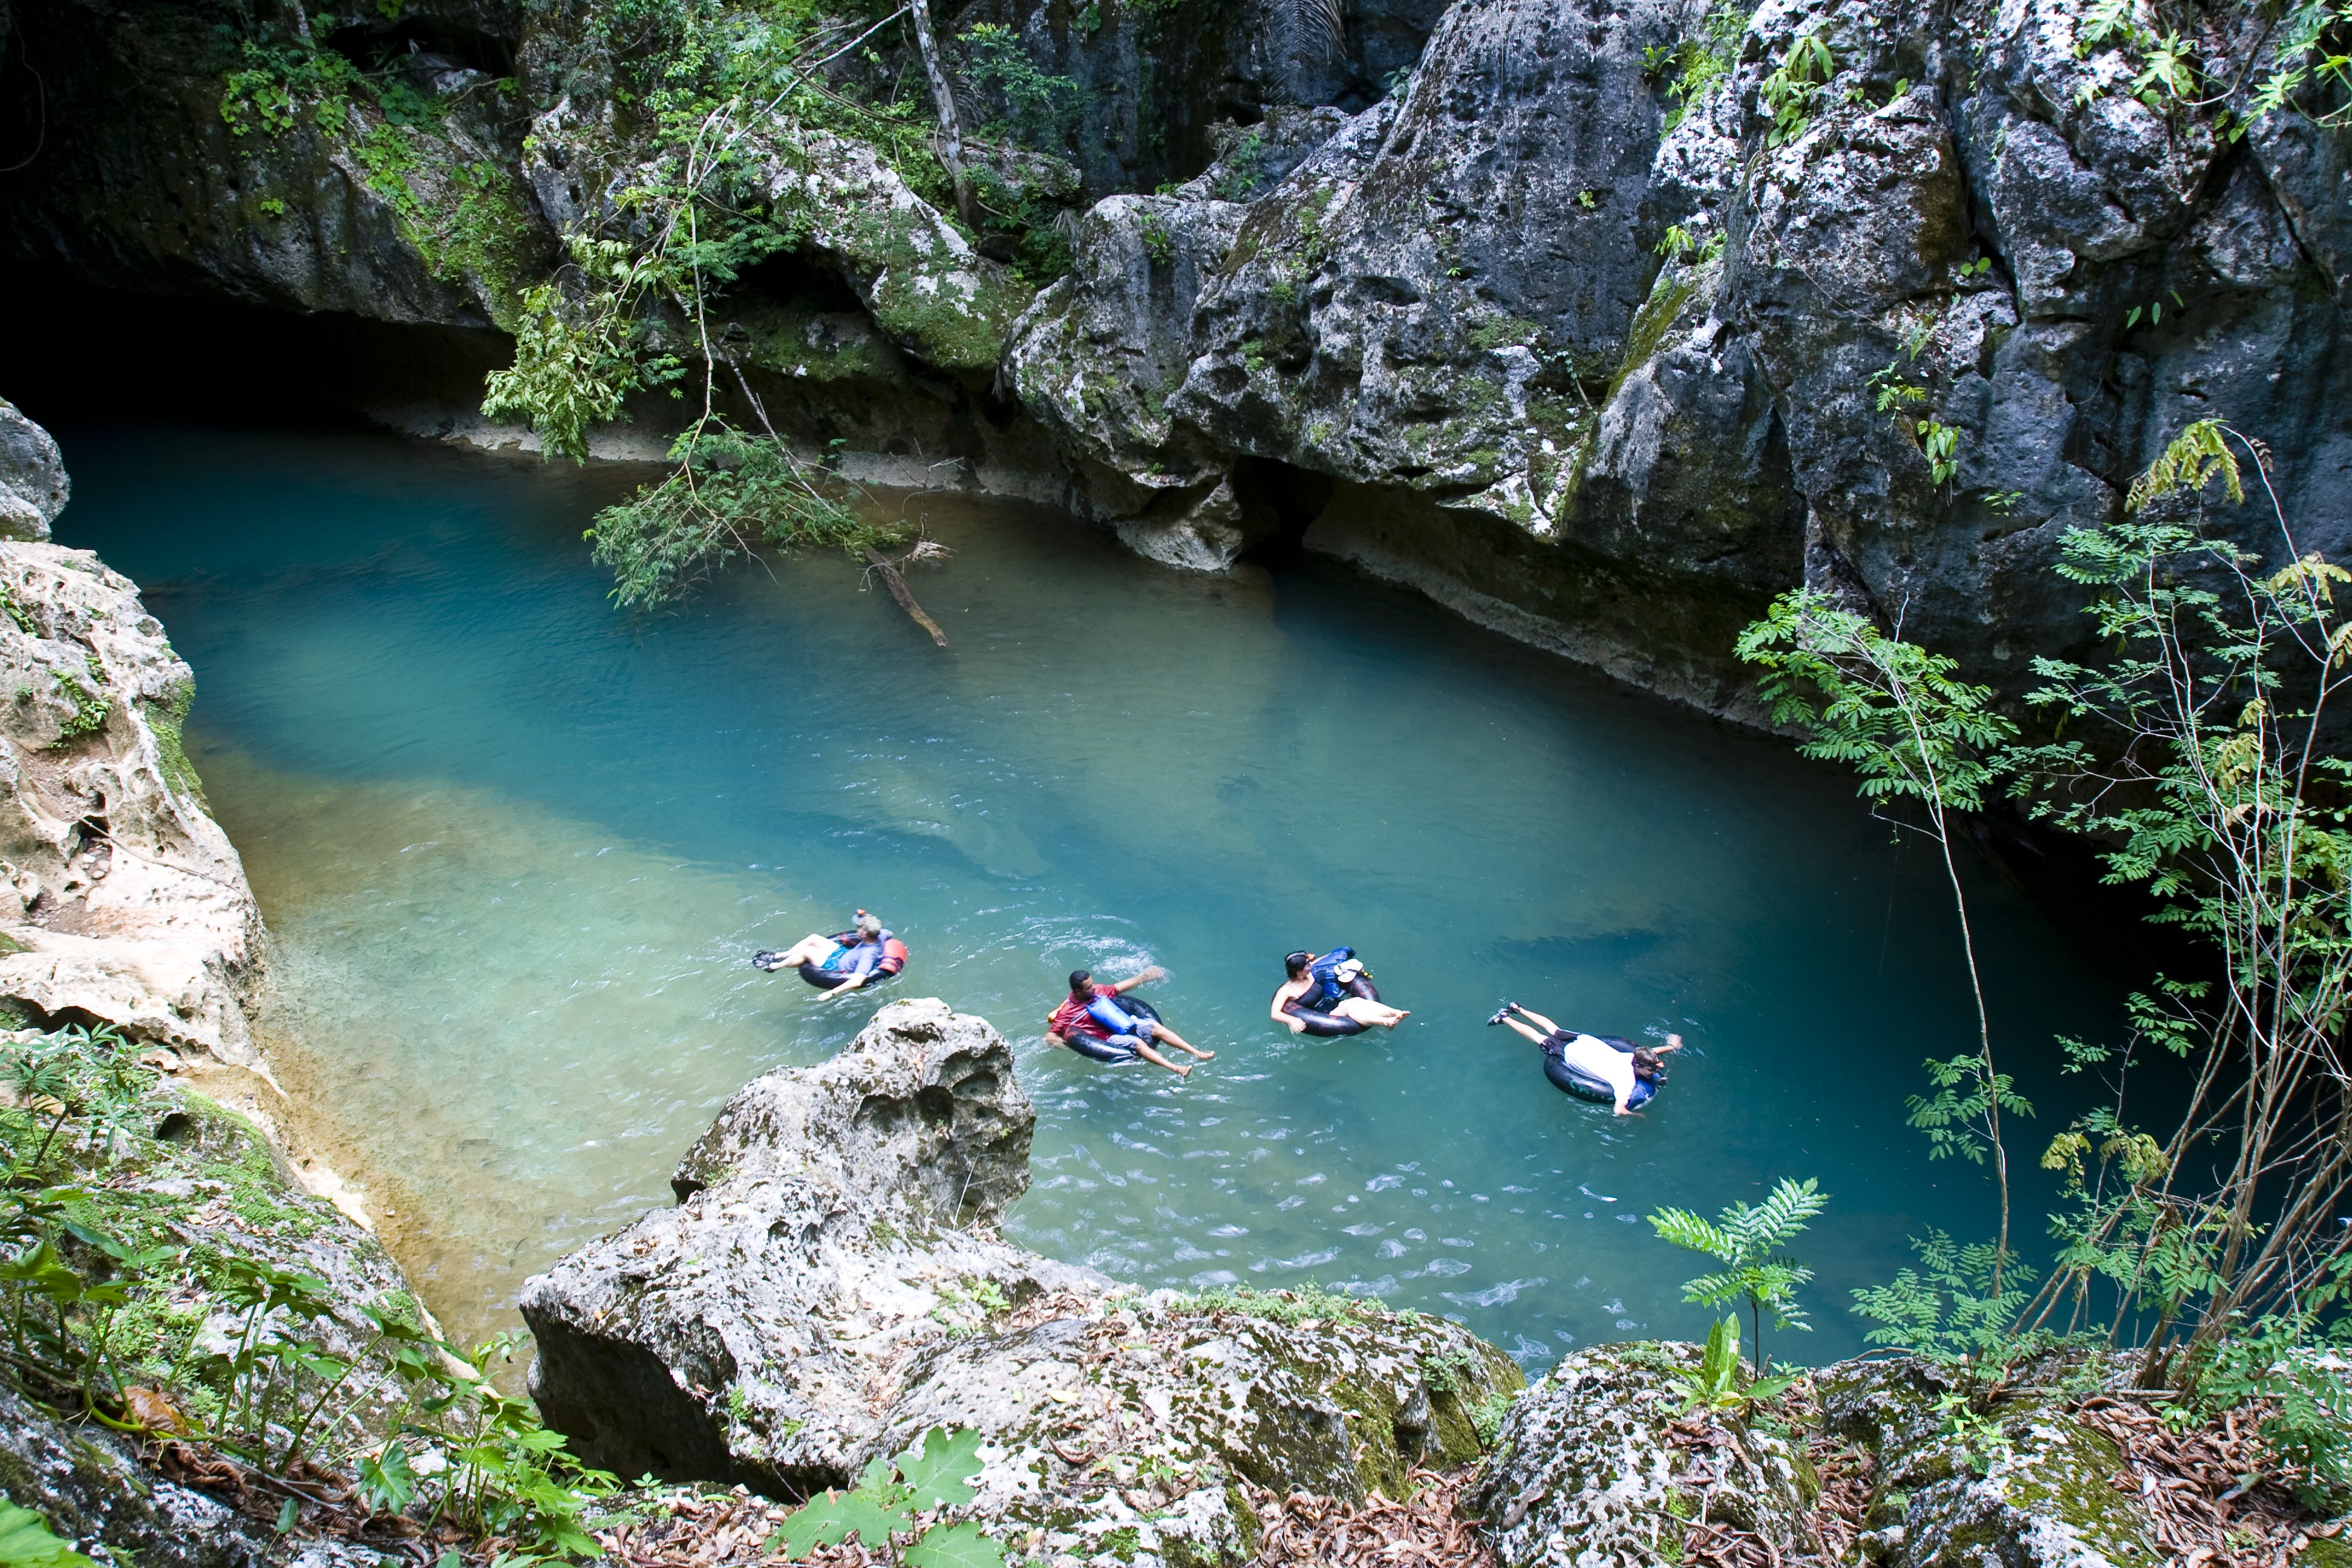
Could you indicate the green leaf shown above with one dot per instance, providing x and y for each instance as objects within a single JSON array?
[
  {"x": 26, "y": 1542},
  {"x": 955, "y": 1546},
  {"x": 828, "y": 1521},
  {"x": 938, "y": 1466}
]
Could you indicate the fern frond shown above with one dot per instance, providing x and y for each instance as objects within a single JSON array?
[
  {"x": 1317, "y": 29},
  {"x": 2196, "y": 456}
]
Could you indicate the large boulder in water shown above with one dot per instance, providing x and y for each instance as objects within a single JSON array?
[{"x": 832, "y": 1285}]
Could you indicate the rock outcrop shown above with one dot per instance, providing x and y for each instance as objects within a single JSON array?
[
  {"x": 831, "y": 1286},
  {"x": 2055, "y": 1493},
  {"x": 1601, "y": 323},
  {"x": 1589, "y": 1469},
  {"x": 125, "y": 901},
  {"x": 33, "y": 484},
  {"x": 88, "y": 1486},
  {"x": 1901, "y": 336}
]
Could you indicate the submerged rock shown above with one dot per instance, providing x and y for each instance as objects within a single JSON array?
[{"x": 832, "y": 1285}]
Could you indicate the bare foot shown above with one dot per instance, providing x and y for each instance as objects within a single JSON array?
[
  {"x": 1402, "y": 1016},
  {"x": 1206, "y": 1056},
  {"x": 1181, "y": 1072}
]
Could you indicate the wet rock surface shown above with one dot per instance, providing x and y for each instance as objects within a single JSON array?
[{"x": 831, "y": 1287}]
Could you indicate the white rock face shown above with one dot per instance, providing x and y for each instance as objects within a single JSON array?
[{"x": 121, "y": 898}]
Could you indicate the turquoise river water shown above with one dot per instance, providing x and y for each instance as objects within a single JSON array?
[{"x": 515, "y": 848}]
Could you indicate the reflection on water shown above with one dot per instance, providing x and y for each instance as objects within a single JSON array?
[{"x": 515, "y": 849}]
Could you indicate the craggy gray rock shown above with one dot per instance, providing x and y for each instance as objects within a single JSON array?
[
  {"x": 1458, "y": 309},
  {"x": 755, "y": 1331},
  {"x": 2049, "y": 1498},
  {"x": 831, "y": 1287},
  {"x": 88, "y": 1485},
  {"x": 125, "y": 901},
  {"x": 1597, "y": 1466},
  {"x": 33, "y": 484}
]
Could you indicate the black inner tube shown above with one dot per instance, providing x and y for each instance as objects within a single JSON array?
[
  {"x": 1097, "y": 1050},
  {"x": 1575, "y": 1080},
  {"x": 834, "y": 979},
  {"x": 1325, "y": 1023}
]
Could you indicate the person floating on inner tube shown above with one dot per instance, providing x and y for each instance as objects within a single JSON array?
[
  {"x": 1589, "y": 1066},
  {"x": 1101, "y": 1022},
  {"x": 1332, "y": 994},
  {"x": 863, "y": 955}
]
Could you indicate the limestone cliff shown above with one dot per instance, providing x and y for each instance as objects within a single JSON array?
[{"x": 1600, "y": 323}]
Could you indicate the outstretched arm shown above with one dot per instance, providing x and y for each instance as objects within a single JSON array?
[{"x": 1150, "y": 971}]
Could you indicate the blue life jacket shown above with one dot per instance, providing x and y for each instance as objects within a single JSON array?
[{"x": 1325, "y": 972}]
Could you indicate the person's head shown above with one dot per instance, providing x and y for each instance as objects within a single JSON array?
[
  {"x": 1082, "y": 983},
  {"x": 1646, "y": 1062},
  {"x": 867, "y": 925},
  {"x": 1295, "y": 963}
]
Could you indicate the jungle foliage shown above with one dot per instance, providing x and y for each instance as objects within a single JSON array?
[
  {"x": 116, "y": 1309},
  {"x": 2195, "y": 758}
]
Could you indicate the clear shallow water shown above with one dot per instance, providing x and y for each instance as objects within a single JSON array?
[{"x": 515, "y": 850}]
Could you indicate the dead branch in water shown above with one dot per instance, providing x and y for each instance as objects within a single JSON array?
[{"x": 897, "y": 586}]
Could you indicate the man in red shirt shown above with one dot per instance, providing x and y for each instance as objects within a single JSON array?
[{"x": 1091, "y": 1022}]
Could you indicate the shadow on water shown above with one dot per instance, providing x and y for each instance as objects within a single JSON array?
[{"x": 515, "y": 849}]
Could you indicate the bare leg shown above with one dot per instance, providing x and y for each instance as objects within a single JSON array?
[
  {"x": 1528, "y": 1032},
  {"x": 1143, "y": 1049},
  {"x": 808, "y": 950},
  {"x": 1364, "y": 1010},
  {"x": 1162, "y": 1032},
  {"x": 1546, "y": 1024}
]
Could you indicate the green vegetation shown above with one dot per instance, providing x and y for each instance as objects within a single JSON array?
[
  {"x": 122, "y": 1301},
  {"x": 1748, "y": 1240},
  {"x": 26, "y": 1541},
  {"x": 91, "y": 704},
  {"x": 1039, "y": 109},
  {"x": 884, "y": 1505},
  {"x": 2199, "y": 772},
  {"x": 727, "y": 491},
  {"x": 1796, "y": 83},
  {"x": 1703, "y": 58},
  {"x": 1720, "y": 1383},
  {"x": 1306, "y": 1304}
]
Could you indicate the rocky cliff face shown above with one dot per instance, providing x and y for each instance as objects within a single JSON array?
[
  {"x": 125, "y": 901},
  {"x": 831, "y": 1287},
  {"x": 1458, "y": 310},
  {"x": 1605, "y": 324}
]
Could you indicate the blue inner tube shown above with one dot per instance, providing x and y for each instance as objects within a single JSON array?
[
  {"x": 1093, "y": 1049},
  {"x": 1575, "y": 1080}
]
